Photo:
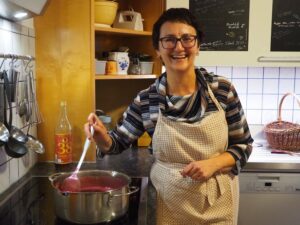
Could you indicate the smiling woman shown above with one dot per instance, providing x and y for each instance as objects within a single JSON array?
[{"x": 200, "y": 136}]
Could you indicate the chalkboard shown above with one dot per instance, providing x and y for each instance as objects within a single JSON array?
[
  {"x": 285, "y": 25},
  {"x": 225, "y": 24}
]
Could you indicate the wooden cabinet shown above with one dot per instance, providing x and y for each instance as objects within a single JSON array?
[
  {"x": 260, "y": 24},
  {"x": 67, "y": 40},
  {"x": 114, "y": 93}
]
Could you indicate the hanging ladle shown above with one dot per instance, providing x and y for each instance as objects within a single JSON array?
[
  {"x": 33, "y": 143},
  {"x": 15, "y": 133},
  {"x": 13, "y": 147},
  {"x": 72, "y": 183},
  {"x": 22, "y": 104},
  {"x": 4, "y": 132}
]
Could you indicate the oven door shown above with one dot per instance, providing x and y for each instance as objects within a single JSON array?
[{"x": 269, "y": 199}]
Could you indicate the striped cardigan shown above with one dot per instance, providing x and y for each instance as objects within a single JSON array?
[{"x": 142, "y": 114}]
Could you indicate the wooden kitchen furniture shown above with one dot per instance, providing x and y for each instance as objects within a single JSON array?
[{"x": 67, "y": 40}]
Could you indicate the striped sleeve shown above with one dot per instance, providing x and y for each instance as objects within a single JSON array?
[
  {"x": 240, "y": 140},
  {"x": 129, "y": 129}
]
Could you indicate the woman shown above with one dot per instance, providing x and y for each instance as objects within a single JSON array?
[{"x": 200, "y": 136}]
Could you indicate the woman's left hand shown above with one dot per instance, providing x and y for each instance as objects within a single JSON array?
[
  {"x": 199, "y": 170},
  {"x": 204, "y": 169}
]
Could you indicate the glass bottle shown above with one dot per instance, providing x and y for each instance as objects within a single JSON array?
[{"x": 63, "y": 137}]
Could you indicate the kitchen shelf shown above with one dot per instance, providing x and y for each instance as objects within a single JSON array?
[
  {"x": 119, "y": 31},
  {"x": 124, "y": 77}
]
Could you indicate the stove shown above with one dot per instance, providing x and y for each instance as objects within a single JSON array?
[{"x": 33, "y": 204}]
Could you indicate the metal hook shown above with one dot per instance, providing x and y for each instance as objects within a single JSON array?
[
  {"x": 2, "y": 63},
  {"x": 14, "y": 59},
  {"x": 28, "y": 67}
]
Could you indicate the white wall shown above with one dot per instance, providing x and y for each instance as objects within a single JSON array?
[
  {"x": 261, "y": 88},
  {"x": 15, "y": 39}
]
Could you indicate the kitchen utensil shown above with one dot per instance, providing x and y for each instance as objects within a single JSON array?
[
  {"x": 34, "y": 144},
  {"x": 15, "y": 133},
  {"x": 277, "y": 151},
  {"x": 2, "y": 98},
  {"x": 22, "y": 99},
  {"x": 18, "y": 134},
  {"x": 12, "y": 76},
  {"x": 4, "y": 134},
  {"x": 34, "y": 104},
  {"x": 28, "y": 98},
  {"x": 22, "y": 108},
  {"x": 13, "y": 148},
  {"x": 72, "y": 183},
  {"x": 107, "y": 192}
]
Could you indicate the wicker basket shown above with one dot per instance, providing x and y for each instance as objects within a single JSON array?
[{"x": 282, "y": 134}]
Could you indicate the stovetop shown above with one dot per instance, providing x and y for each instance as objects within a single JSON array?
[{"x": 33, "y": 204}]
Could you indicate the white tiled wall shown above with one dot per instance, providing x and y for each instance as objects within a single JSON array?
[
  {"x": 261, "y": 89},
  {"x": 20, "y": 40}
]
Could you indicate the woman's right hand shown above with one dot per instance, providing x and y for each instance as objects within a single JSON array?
[{"x": 101, "y": 136}]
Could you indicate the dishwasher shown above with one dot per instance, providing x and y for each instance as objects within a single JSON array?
[
  {"x": 270, "y": 189},
  {"x": 269, "y": 199}
]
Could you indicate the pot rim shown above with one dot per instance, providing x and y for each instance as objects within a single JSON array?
[{"x": 54, "y": 179}]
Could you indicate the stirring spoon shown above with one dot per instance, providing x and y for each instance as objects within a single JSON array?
[{"x": 72, "y": 183}]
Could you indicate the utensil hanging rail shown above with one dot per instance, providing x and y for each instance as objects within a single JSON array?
[{"x": 15, "y": 56}]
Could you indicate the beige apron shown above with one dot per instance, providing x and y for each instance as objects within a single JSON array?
[{"x": 182, "y": 201}]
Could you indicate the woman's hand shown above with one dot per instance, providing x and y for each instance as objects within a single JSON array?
[
  {"x": 204, "y": 169},
  {"x": 101, "y": 137},
  {"x": 199, "y": 170}
]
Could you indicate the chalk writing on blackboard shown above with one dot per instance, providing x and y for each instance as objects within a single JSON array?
[
  {"x": 285, "y": 25},
  {"x": 225, "y": 24}
]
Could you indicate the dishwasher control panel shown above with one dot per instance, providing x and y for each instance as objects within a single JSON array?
[{"x": 269, "y": 183}]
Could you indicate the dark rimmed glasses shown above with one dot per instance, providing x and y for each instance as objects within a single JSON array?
[{"x": 170, "y": 42}]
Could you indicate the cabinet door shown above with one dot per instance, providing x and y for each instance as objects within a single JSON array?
[{"x": 260, "y": 26}]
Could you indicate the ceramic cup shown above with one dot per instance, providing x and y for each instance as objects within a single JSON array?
[{"x": 111, "y": 67}]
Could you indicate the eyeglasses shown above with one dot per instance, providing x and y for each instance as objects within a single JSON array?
[{"x": 170, "y": 42}]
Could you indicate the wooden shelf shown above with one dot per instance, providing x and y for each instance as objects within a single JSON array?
[
  {"x": 119, "y": 31},
  {"x": 124, "y": 77}
]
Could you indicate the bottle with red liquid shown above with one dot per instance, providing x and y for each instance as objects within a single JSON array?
[{"x": 63, "y": 137}]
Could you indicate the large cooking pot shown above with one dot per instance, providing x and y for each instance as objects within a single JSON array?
[{"x": 103, "y": 196}]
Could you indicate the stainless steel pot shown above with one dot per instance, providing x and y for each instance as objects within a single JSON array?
[{"x": 90, "y": 207}]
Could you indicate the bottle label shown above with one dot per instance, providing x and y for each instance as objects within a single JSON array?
[{"x": 63, "y": 148}]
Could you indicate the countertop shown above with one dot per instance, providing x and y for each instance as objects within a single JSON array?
[{"x": 264, "y": 159}]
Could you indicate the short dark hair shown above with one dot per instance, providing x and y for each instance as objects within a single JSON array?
[{"x": 182, "y": 15}]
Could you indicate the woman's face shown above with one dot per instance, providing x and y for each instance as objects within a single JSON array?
[{"x": 180, "y": 58}]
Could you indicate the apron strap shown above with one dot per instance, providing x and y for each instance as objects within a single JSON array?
[{"x": 211, "y": 94}]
